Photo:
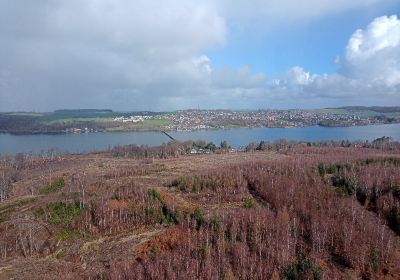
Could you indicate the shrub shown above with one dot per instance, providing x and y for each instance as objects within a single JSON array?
[
  {"x": 198, "y": 217},
  {"x": 345, "y": 186},
  {"x": 153, "y": 251},
  {"x": 321, "y": 169},
  {"x": 331, "y": 169},
  {"x": 156, "y": 195},
  {"x": 54, "y": 186},
  {"x": 302, "y": 269},
  {"x": 169, "y": 216},
  {"x": 215, "y": 225},
  {"x": 361, "y": 195},
  {"x": 66, "y": 234},
  {"x": 374, "y": 260},
  {"x": 248, "y": 203},
  {"x": 59, "y": 212},
  {"x": 290, "y": 272},
  {"x": 203, "y": 249},
  {"x": 179, "y": 183}
]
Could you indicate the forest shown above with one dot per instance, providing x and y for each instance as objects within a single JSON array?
[{"x": 280, "y": 210}]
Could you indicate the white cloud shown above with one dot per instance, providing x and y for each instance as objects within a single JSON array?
[
  {"x": 241, "y": 77},
  {"x": 369, "y": 73},
  {"x": 141, "y": 54},
  {"x": 373, "y": 54},
  {"x": 298, "y": 77},
  {"x": 382, "y": 33},
  {"x": 65, "y": 53}
]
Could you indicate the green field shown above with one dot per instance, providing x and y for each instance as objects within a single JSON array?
[{"x": 157, "y": 122}]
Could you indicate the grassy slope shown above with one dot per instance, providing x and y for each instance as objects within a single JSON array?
[{"x": 73, "y": 118}]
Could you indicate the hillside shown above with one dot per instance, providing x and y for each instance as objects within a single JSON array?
[
  {"x": 379, "y": 109},
  {"x": 288, "y": 211},
  {"x": 91, "y": 120}
]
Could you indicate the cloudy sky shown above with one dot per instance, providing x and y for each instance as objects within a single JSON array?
[{"x": 178, "y": 54}]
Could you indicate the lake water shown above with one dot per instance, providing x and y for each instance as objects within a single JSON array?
[{"x": 86, "y": 142}]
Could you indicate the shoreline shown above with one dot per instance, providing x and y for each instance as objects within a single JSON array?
[{"x": 161, "y": 129}]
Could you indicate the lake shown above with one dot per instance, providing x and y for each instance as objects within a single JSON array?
[{"x": 86, "y": 142}]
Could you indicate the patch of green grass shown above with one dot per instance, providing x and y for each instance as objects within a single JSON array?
[
  {"x": 54, "y": 186},
  {"x": 59, "y": 212},
  {"x": 157, "y": 122},
  {"x": 66, "y": 234}
]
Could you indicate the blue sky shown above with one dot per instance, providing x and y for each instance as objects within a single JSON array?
[
  {"x": 179, "y": 54},
  {"x": 312, "y": 44}
]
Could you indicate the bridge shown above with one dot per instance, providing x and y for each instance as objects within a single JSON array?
[{"x": 169, "y": 136}]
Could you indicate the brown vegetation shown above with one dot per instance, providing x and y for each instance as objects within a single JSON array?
[{"x": 282, "y": 211}]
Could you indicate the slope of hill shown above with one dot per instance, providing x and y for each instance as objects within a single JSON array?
[{"x": 295, "y": 212}]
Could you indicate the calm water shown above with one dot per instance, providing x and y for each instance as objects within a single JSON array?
[{"x": 74, "y": 143}]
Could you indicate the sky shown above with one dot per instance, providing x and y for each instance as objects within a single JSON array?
[{"x": 130, "y": 55}]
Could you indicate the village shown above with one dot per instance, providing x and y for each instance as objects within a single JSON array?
[{"x": 190, "y": 120}]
